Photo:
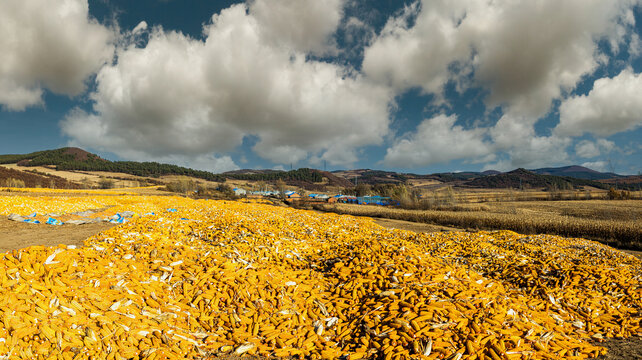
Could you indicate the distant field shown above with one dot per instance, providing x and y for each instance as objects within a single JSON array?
[
  {"x": 617, "y": 223},
  {"x": 69, "y": 175},
  {"x": 469, "y": 195}
]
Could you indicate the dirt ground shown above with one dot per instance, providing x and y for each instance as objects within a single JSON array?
[
  {"x": 627, "y": 349},
  {"x": 16, "y": 235}
]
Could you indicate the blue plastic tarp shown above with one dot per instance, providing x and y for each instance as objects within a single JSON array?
[
  {"x": 117, "y": 219},
  {"x": 52, "y": 221}
]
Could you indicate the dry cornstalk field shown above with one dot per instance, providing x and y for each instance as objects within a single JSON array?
[
  {"x": 618, "y": 223},
  {"x": 206, "y": 279}
]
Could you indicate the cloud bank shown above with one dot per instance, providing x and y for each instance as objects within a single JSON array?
[
  {"x": 523, "y": 55},
  {"x": 612, "y": 106},
  {"x": 304, "y": 25},
  {"x": 272, "y": 75},
  {"x": 590, "y": 149},
  {"x": 182, "y": 96},
  {"x": 51, "y": 45},
  {"x": 437, "y": 140}
]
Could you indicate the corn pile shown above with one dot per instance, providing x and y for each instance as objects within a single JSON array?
[
  {"x": 67, "y": 205},
  {"x": 116, "y": 191},
  {"x": 64, "y": 208},
  {"x": 220, "y": 277}
]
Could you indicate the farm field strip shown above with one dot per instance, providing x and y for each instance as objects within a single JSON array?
[
  {"x": 619, "y": 226},
  {"x": 216, "y": 277}
]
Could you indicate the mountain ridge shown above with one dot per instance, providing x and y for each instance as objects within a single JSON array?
[
  {"x": 576, "y": 171},
  {"x": 76, "y": 159},
  {"x": 522, "y": 178}
]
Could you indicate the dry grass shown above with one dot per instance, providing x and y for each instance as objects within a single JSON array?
[
  {"x": 617, "y": 223},
  {"x": 504, "y": 195},
  {"x": 87, "y": 178},
  {"x": 626, "y": 210},
  {"x": 68, "y": 175}
]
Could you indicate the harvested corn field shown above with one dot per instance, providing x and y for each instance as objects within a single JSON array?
[
  {"x": 617, "y": 223},
  {"x": 199, "y": 279}
]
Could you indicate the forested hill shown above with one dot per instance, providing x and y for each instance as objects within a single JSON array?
[
  {"x": 70, "y": 158},
  {"x": 59, "y": 157},
  {"x": 524, "y": 178},
  {"x": 293, "y": 176}
]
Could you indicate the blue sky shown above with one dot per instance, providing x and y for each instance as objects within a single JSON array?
[{"x": 425, "y": 86}]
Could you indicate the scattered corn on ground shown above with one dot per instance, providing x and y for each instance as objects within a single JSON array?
[
  {"x": 228, "y": 277},
  {"x": 116, "y": 191}
]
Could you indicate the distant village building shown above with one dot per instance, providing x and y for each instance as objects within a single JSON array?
[
  {"x": 376, "y": 200},
  {"x": 347, "y": 199},
  {"x": 292, "y": 195},
  {"x": 266, "y": 193},
  {"x": 239, "y": 192}
]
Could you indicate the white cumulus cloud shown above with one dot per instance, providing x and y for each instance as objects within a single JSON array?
[
  {"x": 612, "y": 106},
  {"x": 521, "y": 54},
  {"x": 178, "y": 96},
  {"x": 437, "y": 140},
  {"x": 635, "y": 46},
  {"x": 540, "y": 151},
  {"x": 516, "y": 136},
  {"x": 589, "y": 149},
  {"x": 602, "y": 166},
  {"x": 306, "y": 25},
  {"x": 207, "y": 162},
  {"x": 406, "y": 56},
  {"x": 524, "y": 53},
  {"x": 48, "y": 44}
]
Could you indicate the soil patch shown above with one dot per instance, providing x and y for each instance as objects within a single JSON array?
[
  {"x": 626, "y": 349},
  {"x": 17, "y": 235}
]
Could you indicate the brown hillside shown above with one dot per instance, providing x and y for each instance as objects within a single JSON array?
[
  {"x": 334, "y": 180},
  {"x": 35, "y": 180},
  {"x": 633, "y": 179},
  {"x": 79, "y": 154}
]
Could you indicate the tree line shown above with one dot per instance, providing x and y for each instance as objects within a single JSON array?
[{"x": 303, "y": 174}]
